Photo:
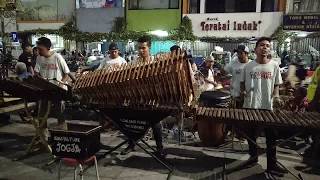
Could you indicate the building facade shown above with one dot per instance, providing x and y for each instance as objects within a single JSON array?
[
  {"x": 98, "y": 15},
  {"x": 235, "y": 18},
  {"x": 303, "y": 18},
  {"x": 44, "y": 14},
  {"x": 151, "y": 15},
  {"x": 227, "y": 23}
]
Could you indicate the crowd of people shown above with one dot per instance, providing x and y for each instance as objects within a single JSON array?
[{"x": 254, "y": 84}]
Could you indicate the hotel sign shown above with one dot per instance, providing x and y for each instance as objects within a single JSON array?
[
  {"x": 235, "y": 25},
  {"x": 229, "y": 25},
  {"x": 301, "y": 22}
]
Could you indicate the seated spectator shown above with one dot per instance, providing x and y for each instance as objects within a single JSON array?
[{"x": 21, "y": 71}]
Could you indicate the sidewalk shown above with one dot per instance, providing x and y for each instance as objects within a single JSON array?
[{"x": 190, "y": 162}]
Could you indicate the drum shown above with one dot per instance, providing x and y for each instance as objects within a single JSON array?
[{"x": 211, "y": 133}]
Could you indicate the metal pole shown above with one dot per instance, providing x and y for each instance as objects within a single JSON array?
[{"x": 57, "y": 10}]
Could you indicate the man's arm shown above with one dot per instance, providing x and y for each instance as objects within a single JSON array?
[
  {"x": 278, "y": 81},
  {"x": 31, "y": 70},
  {"x": 65, "y": 78},
  {"x": 211, "y": 82},
  {"x": 64, "y": 69},
  {"x": 226, "y": 69},
  {"x": 242, "y": 82},
  {"x": 37, "y": 67},
  {"x": 276, "y": 91}
]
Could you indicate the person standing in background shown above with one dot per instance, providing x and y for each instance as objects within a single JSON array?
[
  {"x": 235, "y": 69},
  {"x": 26, "y": 57},
  {"x": 35, "y": 54}
]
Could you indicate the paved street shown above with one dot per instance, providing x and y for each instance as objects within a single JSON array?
[{"x": 190, "y": 161}]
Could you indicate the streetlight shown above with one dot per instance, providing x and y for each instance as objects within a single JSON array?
[{"x": 159, "y": 33}]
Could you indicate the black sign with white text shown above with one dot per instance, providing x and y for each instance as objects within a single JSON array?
[{"x": 309, "y": 23}]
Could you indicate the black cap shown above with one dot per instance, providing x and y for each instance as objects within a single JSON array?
[
  {"x": 242, "y": 48},
  {"x": 113, "y": 46}
]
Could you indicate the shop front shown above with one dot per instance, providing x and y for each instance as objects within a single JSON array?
[
  {"x": 235, "y": 25},
  {"x": 305, "y": 44},
  {"x": 230, "y": 29}
]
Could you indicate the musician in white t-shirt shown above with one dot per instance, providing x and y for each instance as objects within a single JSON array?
[
  {"x": 52, "y": 66},
  {"x": 207, "y": 72},
  {"x": 235, "y": 69},
  {"x": 144, "y": 45},
  {"x": 113, "y": 59},
  {"x": 260, "y": 80}
]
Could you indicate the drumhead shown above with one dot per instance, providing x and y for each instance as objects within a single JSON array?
[{"x": 215, "y": 95}]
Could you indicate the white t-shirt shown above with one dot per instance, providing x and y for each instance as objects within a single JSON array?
[
  {"x": 235, "y": 68},
  {"x": 111, "y": 62},
  {"x": 138, "y": 59},
  {"x": 260, "y": 80},
  {"x": 206, "y": 86},
  {"x": 53, "y": 67}
]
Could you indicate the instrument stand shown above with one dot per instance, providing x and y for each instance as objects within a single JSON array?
[
  {"x": 264, "y": 151},
  {"x": 136, "y": 141},
  {"x": 180, "y": 125},
  {"x": 40, "y": 124}
]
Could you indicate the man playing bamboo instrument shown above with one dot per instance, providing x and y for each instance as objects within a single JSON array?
[
  {"x": 144, "y": 44},
  {"x": 260, "y": 82},
  {"x": 52, "y": 66},
  {"x": 113, "y": 59}
]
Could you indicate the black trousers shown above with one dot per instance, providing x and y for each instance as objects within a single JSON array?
[
  {"x": 157, "y": 134},
  {"x": 271, "y": 137}
]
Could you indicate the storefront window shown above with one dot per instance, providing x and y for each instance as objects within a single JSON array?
[
  {"x": 44, "y": 10},
  {"x": 173, "y": 4},
  {"x": 99, "y": 3},
  {"x": 194, "y": 6},
  {"x": 230, "y": 6},
  {"x": 154, "y": 4},
  {"x": 267, "y": 5}
]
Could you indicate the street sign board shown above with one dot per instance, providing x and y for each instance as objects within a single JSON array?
[
  {"x": 14, "y": 37},
  {"x": 310, "y": 23}
]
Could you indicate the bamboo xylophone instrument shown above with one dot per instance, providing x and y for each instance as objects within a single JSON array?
[
  {"x": 33, "y": 88},
  {"x": 276, "y": 118},
  {"x": 165, "y": 82}
]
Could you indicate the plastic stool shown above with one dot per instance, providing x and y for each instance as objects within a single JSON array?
[{"x": 78, "y": 163}]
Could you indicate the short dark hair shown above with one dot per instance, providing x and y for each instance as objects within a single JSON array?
[
  {"x": 43, "y": 41},
  {"x": 25, "y": 45},
  {"x": 263, "y": 39},
  {"x": 144, "y": 39},
  {"x": 113, "y": 46},
  {"x": 174, "y": 48}
]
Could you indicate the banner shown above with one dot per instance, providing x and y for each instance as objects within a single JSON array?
[
  {"x": 99, "y": 3},
  {"x": 309, "y": 23}
]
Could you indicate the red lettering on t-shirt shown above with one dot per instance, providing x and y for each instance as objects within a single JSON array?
[
  {"x": 52, "y": 66},
  {"x": 261, "y": 75}
]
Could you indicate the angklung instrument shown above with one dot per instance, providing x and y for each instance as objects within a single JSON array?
[
  {"x": 136, "y": 96},
  {"x": 166, "y": 82}
]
